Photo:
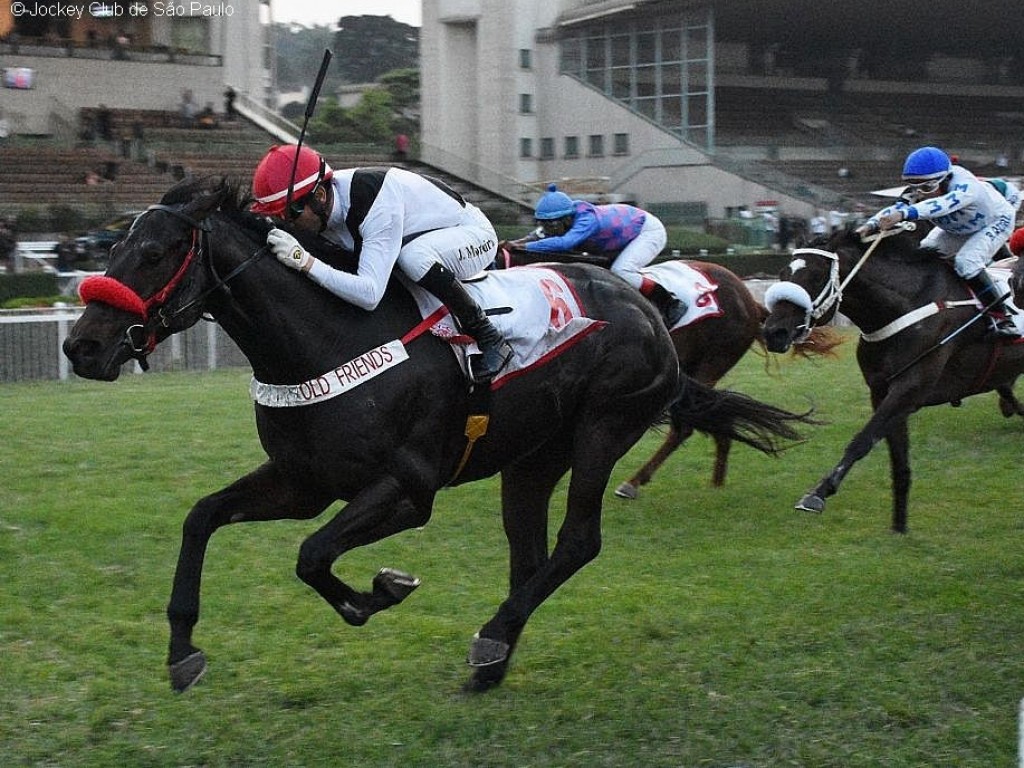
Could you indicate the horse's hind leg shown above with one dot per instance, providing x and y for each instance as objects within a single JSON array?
[
  {"x": 378, "y": 511},
  {"x": 723, "y": 444},
  {"x": 631, "y": 488},
  {"x": 898, "y": 443},
  {"x": 596, "y": 448},
  {"x": 264, "y": 494}
]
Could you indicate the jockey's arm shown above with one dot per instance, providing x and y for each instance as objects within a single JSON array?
[
  {"x": 382, "y": 240},
  {"x": 583, "y": 226},
  {"x": 959, "y": 196}
]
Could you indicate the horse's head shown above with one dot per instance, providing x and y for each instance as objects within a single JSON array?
[
  {"x": 807, "y": 294},
  {"x": 153, "y": 288}
]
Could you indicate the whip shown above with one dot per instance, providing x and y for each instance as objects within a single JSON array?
[{"x": 310, "y": 106}]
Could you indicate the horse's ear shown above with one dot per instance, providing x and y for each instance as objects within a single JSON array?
[{"x": 206, "y": 203}]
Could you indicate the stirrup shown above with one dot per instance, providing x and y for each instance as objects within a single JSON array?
[{"x": 486, "y": 364}]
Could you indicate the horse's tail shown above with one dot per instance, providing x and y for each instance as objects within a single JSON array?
[{"x": 723, "y": 413}]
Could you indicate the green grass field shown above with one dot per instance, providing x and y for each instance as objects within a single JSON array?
[{"x": 717, "y": 628}]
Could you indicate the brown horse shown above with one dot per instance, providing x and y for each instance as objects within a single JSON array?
[{"x": 707, "y": 349}]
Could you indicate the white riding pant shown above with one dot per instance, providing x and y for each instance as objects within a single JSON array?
[
  {"x": 641, "y": 251},
  {"x": 971, "y": 253},
  {"x": 465, "y": 249}
]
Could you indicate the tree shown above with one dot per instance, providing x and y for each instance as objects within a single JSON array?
[{"x": 368, "y": 46}]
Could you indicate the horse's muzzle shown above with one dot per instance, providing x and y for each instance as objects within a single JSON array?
[
  {"x": 90, "y": 360},
  {"x": 777, "y": 339}
]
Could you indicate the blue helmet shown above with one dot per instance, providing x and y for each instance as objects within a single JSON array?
[
  {"x": 553, "y": 205},
  {"x": 927, "y": 163}
]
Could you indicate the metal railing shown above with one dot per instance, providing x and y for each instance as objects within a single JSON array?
[{"x": 31, "y": 340}]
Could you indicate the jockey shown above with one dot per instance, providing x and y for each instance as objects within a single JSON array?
[
  {"x": 386, "y": 216},
  {"x": 973, "y": 219},
  {"x": 566, "y": 225}
]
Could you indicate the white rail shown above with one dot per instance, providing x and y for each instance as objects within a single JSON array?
[{"x": 31, "y": 346}]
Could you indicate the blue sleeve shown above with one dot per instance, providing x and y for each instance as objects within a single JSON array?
[{"x": 583, "y": 226}]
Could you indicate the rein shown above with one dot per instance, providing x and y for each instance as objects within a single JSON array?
[
  {"x": 140, "y": 338},
  {"x": 831, "y": 294}
]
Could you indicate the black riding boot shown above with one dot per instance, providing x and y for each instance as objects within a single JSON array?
[
  {"x": 986, "y": 292},
  {"x": 495, "y": 352},
  {"x": 671, "y": 308}
]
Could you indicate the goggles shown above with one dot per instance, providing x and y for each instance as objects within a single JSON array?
[
  {"x": 296, "y": 207},
  {"x": 925, "y": 187}
]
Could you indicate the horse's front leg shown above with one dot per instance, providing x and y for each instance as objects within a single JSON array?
[
  {"x": 265, "y": 494},
  {"x": 890, "y": 411},
  {"x": 1009, "y": 405},
  {"x": 378, "y": 511}
]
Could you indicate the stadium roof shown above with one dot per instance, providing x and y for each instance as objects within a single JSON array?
[{"x": 995, "y": 26}]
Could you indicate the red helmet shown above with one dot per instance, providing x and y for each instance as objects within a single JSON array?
[
  {"x": 270, "y": 180},
  {"x": 1016, "y": 243}
]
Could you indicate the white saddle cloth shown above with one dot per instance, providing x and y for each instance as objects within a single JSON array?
[
  {"x": 691, "y": 286},
  {"x": 534, "y": 308}
]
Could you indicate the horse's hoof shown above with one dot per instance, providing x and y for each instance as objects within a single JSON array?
[
  {"x": 484, "y": 651},
  {"x": 397, "y": 584},
  {"x": 627, "y": 491},
  {"x": 352, "y": 615},
  {"x": 811, "y": 502},
  {"x": 484, "y": 679},
  {"x": 187, "y": 672}
]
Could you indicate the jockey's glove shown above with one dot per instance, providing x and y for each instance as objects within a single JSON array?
[
  {"x": 891, "y": 219},
  {"x": 288, "y": 251}
]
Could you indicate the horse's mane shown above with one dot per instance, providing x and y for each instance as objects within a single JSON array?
[
  {"x": 904, "y": 248},
  {"x": 235, "y": 200}
]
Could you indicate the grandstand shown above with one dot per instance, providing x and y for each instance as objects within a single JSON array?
[
  {"x": 711, "y": 105},
  {"x": 692, "y": 108}
]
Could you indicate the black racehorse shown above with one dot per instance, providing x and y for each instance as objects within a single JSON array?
[
  {"x": 923, "y": 341},
  {"x": 389, "y": 444},
  {"x": 707, "y": 350}
]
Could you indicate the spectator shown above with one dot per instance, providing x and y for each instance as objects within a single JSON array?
[
  {"x": 401, "y": 147},
  {"x": 103, "y": 123},
  {"x": 5, "y": 131},
  {"x": 819, "y": 225},
  {"x": 207, "y": 118},
  {"x": 66, "y": 255},
  {"x": 8, "y": 242},
  {"x": 229, "y": 103},
  {"x": 187, "y": 109}
]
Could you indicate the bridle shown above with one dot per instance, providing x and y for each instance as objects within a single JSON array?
[
  {"x": 141, "y": 338},
  {"x": 827, "y": 302}
]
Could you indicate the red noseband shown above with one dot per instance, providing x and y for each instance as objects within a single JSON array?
[
  {"x": 111, "y": 291},
  {"x": 107, "y": 290}
]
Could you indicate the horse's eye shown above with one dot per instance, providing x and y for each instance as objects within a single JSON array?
[{"x": 151, "y": 252}]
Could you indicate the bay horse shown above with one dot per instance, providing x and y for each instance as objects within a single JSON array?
[
  {"x": 919, "y": 343},
  {"x": 388, "y": 445},
  {"x": 707, "y": 350}
]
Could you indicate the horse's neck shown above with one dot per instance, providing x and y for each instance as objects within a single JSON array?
[
  {"x": 289, "y": 328},
  {"x": 884, "y": 290}
]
